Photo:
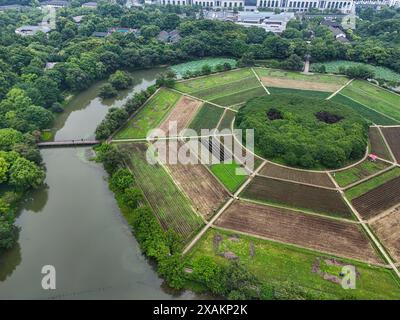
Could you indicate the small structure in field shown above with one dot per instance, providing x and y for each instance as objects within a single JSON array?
[{"x": 372, "y": 157}]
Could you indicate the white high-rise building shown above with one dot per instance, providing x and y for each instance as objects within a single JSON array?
[
  {"x": 391, "y": 3},
  {"x": 344, "y": 6}
]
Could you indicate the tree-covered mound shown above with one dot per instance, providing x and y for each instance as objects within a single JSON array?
[{"x": 304, "y": 132}]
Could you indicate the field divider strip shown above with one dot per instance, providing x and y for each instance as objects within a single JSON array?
[
  {"x": 368, "y": 178},
  {"x": 220, "y": 119},
  {"x": 365, "y": 226},
  {"x": 297, "y": 210},
  {"x": 382, "y": 214},
  {"x": 299, "y": 246},
  {"x": 340, "y": 89},
  {"x": 222, "y": 210},
  {"x": 200, "y": 99},
  {"x": 150, "y": 139},
  {"x": 259, "y": 80},
  {"x": 297, "y": 182},
  {"x": 379, "y": 112},
  {"x": 388, "y": 161},
  {"x": 387, "y": 145}
]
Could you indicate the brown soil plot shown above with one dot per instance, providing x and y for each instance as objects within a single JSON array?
[
  {"x": 284, "y": 225},
  {"x": 388, "y": 230},
  {"x": 183, "y": 112},
  {"x": 205, "y": 192},
  {"x": 392, "y": 136},
  {"x": 316, "y": 178},
  {"x": 299, "y": 84},
  {"x": 297, "y": 196},
  {"x": 378, "y": 146},
  {"x": 379, "y": 199}
]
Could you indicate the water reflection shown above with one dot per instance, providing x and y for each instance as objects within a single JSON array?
[{"x": 9, "y": 260}]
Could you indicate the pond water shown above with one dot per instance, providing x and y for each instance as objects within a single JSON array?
[{"x": 74, "y": 224}]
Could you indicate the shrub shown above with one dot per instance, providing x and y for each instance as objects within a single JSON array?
[{"x": 107, "y": 91}]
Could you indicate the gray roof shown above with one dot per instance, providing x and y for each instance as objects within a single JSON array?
[
  {"x": 89, "y": 4},
  {"x": 100, "y": 34}
]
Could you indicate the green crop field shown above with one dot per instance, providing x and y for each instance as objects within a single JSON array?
[
  {"x": 150, "y": 116},
  {"x": 303, "y": 93},
  {"x": 207, "y": 118},
  {"x": 284, "y": 265},
  {"x": 226, "y": 122},
  {"x": 368, "y": 185},
  {"x": 169, "y": 204},
  {"x": 365, "y": 112},
  {"x": 380, "y": 72},
  {"x": 374, "y": 97},
  {"x": 207, "y": 82},
  {"x": 226, "y": 173},
  {"x": 196, "y": 65},
  {"x": 240, "y": 97},
  {"x": 292, "y": 75},
  {"x": 228, "y": 88},
  {"x": 364, "y": 169}
]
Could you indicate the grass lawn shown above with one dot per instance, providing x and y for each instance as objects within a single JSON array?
[
  {"x": 150, "y": 115},
  {"x": 303, "y": 93},
  {"x": 226, "y": 173},
  {"x": 361, "y": 171},
  {"x": 374, "y": 97},
  {"x": 366, "y": 186},
  {"x": 365, "y": 112},
  {"x": 282, "y": 265},
  {"x": 214, "y": 80},
  {"x": 171, "y": 207},
  {"x": 196, "y": 65},
  {"x": 292, "y": 75},
  {"x": 207, "y": 118},
  {"x": 380, "y": 72}
]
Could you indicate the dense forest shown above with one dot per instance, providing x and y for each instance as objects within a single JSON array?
[
  {"x": 315, "y": 134},
  {"x": 31, "y": 94}
]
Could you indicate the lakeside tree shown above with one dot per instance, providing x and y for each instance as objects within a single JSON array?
[
  {"x": 107, "y": 91},
  {"x": 120, "y": 80}
]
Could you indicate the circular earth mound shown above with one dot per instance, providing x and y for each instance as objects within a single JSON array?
[{"x": 304, "y": 132}]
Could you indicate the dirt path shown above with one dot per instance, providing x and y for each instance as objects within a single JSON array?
[
  {"x": 259, "y": 80},
  {"x": 340, "y": 89}
]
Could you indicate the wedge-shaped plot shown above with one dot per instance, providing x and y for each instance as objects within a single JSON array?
[
  {"x": 340, "y": 238},
  {"x": 387, "y": 228},
  {"x": 296, "y": 80},
  {"x": 307, "y": 177},
  {"x": 378, "y": 145},
  {"x": 379, "y": 199},
  {"x": 392, "y": 136},
  {"x": 294, "y": 195},
  {"x": 180, "y": 116}
]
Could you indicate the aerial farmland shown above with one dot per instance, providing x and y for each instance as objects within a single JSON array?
[{"x": 327, "y": 211}]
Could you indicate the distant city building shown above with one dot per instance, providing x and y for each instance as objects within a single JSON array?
[
  {"x": 55, "y": 3},
  {"x": 390, "y": 3},
  {"x": 90, "y": 5},
  {"x": 31, "y": 30},
  {"x": 172, "y": 36},
  {"x": 270, "y": 21},
  {"x": 78, "y": 19},
  {"x": 344, "y": 6}
]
